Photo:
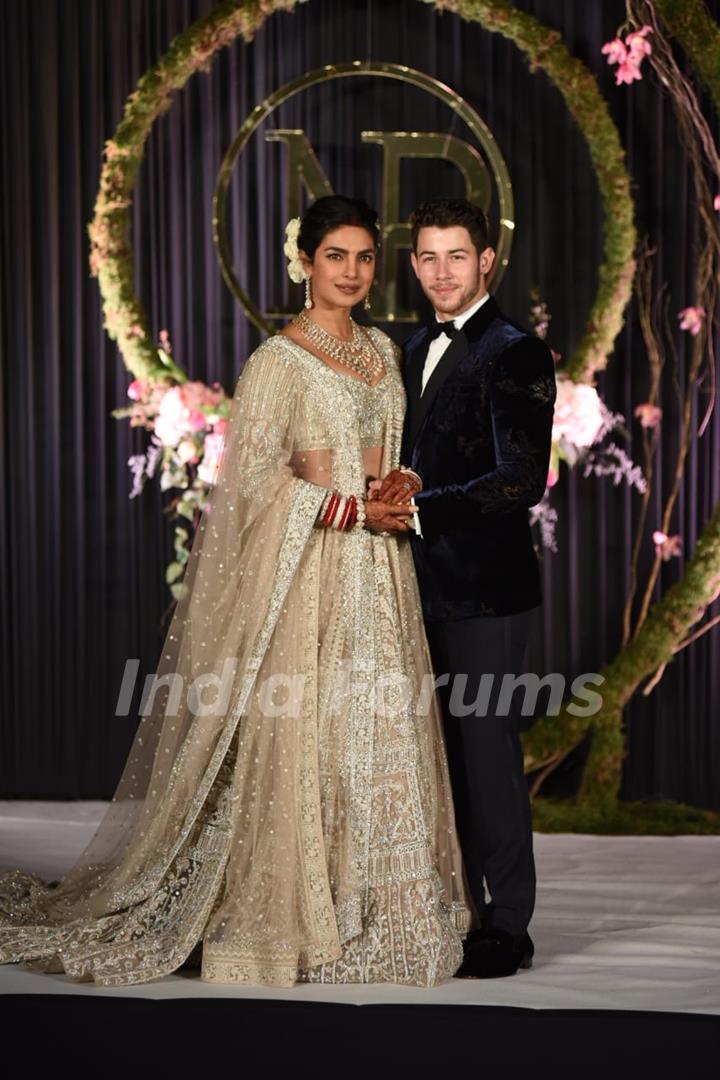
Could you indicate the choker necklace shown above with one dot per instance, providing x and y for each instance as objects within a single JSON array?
[{"x": 359, "y": 354}]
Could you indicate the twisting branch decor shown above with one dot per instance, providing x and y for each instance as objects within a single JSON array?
[
  {"x": 661, "y": 630},
  {"x": 691, "y": 24}
]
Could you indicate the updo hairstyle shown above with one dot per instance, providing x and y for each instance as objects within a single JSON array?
[{"x": 332, "y": 212}]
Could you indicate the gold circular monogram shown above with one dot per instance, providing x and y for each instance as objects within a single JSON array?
[{"x": 396, "y": 146}]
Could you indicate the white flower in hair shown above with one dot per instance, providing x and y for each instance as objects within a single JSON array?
[{"x": 295, "y": 268}]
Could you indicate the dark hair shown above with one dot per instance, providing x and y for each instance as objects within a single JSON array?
[
  {"x": 332, "y": 212},
  {"x": 444, "y": 212}
]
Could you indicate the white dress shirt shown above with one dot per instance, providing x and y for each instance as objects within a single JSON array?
[
  {"x": 434, "y": 354},
  {"x": 440, "y": 344}
]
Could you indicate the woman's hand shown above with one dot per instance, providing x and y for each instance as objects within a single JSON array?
[{"x": 381, "y": 516}]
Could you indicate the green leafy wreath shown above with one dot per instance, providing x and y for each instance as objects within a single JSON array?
[{"x": 111, "y": 252}]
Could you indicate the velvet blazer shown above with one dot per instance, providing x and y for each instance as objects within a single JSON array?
[{"x": 479, "y": 437}]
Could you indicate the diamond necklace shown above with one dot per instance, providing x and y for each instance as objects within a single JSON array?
[{"x": 353, "y": 354}]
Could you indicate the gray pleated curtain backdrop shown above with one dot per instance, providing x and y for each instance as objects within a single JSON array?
[{"x": 82, "y": 565}]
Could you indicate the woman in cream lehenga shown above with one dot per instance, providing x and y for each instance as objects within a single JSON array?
[{"x": 285, "y": 813}]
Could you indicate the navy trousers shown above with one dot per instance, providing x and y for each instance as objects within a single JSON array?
[{"x": 490, "y": 793}]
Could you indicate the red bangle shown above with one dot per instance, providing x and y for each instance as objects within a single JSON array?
[
  {"x": 353, "y": 514},
  {"x": 343, "y": 520},
  {"x": 331, "y": 510}
]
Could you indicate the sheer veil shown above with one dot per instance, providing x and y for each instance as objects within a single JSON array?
[{"x": 246, "y": 546}]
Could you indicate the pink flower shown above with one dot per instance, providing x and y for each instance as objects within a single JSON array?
[
  {"x": 716, "y": 202},
  {"x": 137, "y": 389},
  {"x": 181, "y": 411},
  {"x": 628, "y": 54},
  {"x": 691, "y": 318},
  {"x": 196, "y": 395},
  {"x": 196, "y": 420},
  {"x": 627, "y": 72},
  {"x": 552, "y": 477},
  {"x": 193, "y": 394},
  {"x": 648, "y": 415},
  {"x": 666, "y": 546},
  {"x": 220, "y": 426},
  {"x": 615, "y": 51},
  {"x": 637, "y": 44}
]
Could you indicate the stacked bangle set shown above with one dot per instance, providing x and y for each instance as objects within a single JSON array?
[{"x": 342, "y": 512}]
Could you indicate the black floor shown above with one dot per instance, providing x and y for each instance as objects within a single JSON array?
[{"x": 83, "y": 1035}]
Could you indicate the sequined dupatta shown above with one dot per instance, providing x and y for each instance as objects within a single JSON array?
[{"x": 246, "y": 549}]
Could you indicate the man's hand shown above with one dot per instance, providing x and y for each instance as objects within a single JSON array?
[
  {"x": 398, "y": 487},
  {"x": 383, "y": 516}
]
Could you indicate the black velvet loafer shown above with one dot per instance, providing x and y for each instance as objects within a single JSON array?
[{"x": 492, "y": 954}]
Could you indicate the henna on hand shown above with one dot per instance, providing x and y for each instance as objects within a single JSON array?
[
  {"x": 382, "y": 516},
  {"x": 398, "y": 486}
]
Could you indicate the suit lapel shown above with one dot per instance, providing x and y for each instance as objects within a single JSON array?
[
  {"x": 419, "y": 405},
  {"x": 414, "y": 364},
  {"x": 475, "y": 327},
  {"x": 412, "y": 377},
  {"x": 452, "y": 356}
]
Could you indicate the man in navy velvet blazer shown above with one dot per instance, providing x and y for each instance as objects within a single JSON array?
[{"x": 481, "y": 393}]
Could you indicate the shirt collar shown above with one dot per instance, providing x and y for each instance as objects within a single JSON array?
[{"x": 460, "y": 320}]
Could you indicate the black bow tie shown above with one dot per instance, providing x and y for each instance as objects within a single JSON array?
[{"x": 435, "y": 329}]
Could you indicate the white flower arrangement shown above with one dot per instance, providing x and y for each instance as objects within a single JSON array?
[
  {"x": 296, "y": 271},
  {"x": 581, "y": 422},
  {"x": 578, "y": 418}
]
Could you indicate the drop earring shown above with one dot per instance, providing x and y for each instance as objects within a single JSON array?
[
  {"x": 366, "y": 301},
  {"x": 308, "y": 293}
]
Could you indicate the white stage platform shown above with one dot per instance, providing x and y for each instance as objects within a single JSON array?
[{"x": 621, "y": 923}]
